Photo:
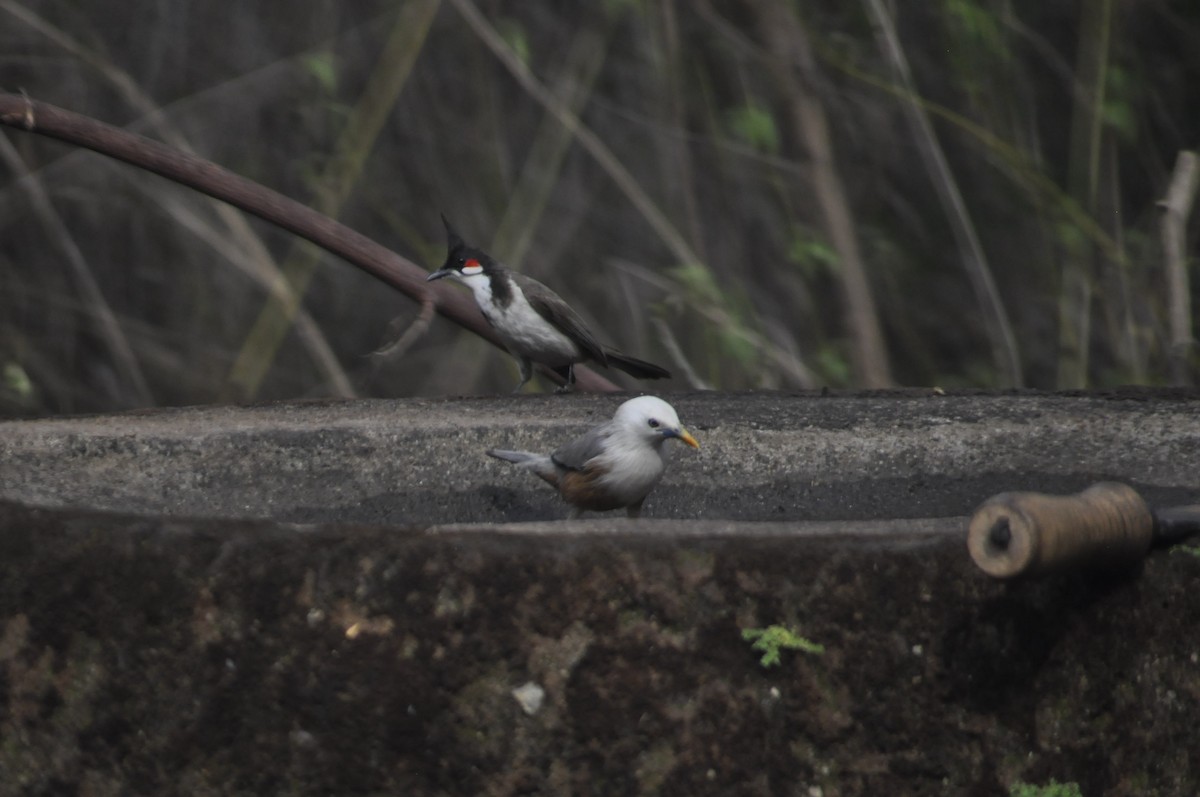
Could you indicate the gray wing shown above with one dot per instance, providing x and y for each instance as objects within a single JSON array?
[
  {"x": 550, "y": 306},
  {"x": 575, "y": 454}
]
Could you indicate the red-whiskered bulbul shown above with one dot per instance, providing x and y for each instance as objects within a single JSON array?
[
  {"x": 614, "y": 465},
  {"x": 534, "y": 323}
]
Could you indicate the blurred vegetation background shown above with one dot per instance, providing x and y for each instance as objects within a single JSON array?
[{"x": 756, "y": 194}]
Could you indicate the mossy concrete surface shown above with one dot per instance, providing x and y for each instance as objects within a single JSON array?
[{"x": 199, "y": 636}]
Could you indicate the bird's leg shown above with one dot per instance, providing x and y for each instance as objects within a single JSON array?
[
  {"x": 575, "y": 513},
  {"x": 526, "y": 367},
  {"x": 566, "y": 386},
  {"x": 634, "y": 510}
]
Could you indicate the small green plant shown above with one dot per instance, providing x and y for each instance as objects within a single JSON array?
[
  {"x": 1051, "y": 789},
  {"x": 1194, "y": 550},
  {"x": 772, "y": 639}
]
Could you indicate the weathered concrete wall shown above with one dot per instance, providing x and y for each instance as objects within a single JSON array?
[{"x": 160, "y": 654}]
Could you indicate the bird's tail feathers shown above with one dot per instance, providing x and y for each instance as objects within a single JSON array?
[
  {"x": 635, "y": 367},
  {"x": 515, "y": 457},
  {"x": 540, "y": 464}
]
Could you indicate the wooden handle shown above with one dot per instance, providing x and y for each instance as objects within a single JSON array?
[{"x": 1106, "y": 525}]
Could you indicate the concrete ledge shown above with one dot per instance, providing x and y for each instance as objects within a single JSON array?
[{"x": 764, "y": 457}]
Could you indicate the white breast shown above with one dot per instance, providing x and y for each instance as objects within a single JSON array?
[
  {"x": 525, "y": 333},
  {"x": 634, "y": 466}
]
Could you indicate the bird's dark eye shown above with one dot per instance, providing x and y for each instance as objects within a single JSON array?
[{"x": 653, "y": 423}]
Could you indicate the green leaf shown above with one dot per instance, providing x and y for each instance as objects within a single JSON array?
[
  {"x": 1071, "y": 238},
  {"x": 808, "y": 250},
  {"x": 754, "y": 125},
  {"x": 1120, "y": 116},
  {"x": 978, "y": 23},
  {"x": 1121, "y": 95},
  {"x": 515, "y": 37},
  {"x": 322, "y": 67},
  {"x": 17, "y": 380},
  {"x": 833, "y": 364}
]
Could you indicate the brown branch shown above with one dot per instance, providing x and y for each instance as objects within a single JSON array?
[{"x": 220, "y": 183}]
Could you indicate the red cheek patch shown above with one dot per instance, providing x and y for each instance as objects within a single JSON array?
[{"x": 472, "y": 267}]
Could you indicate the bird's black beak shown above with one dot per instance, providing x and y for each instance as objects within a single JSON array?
[{"x": 437, "y": 275}]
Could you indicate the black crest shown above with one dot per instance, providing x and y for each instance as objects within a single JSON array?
[{"x": 453, "y": 239}]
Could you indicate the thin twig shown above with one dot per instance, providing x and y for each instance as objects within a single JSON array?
[
  {"x": 1177, "y": 206},
  {"x": 1004, "y": 341},
  {"x": 267, "y": 276},
  {"x": 1086, "y": 135},
  {"x": 109, "y": 329},
  {"x": 678, "y": 357},
  {"x": 794, "y": 68},
  {"x": 791, "y": 366},
  {"x": 526, "y": 202},
  {"x": 401, "y": 344},
  {"x": 587, "y": 139}
]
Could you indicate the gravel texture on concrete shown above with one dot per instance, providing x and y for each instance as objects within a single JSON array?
[{"x": 763, "y": 456}]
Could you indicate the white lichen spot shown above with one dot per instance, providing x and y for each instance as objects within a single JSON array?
[{"x": 529, "y": 697}]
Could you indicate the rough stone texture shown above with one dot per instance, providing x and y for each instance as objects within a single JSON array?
[
  {"x": 306, "y": 654},
  {"x": 202, "y": 657}
]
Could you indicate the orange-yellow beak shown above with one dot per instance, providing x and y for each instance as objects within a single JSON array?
[{"x": 684, "y": 436}]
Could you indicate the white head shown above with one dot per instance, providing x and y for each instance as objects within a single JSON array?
[{"x": 653, "y": 419}]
